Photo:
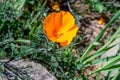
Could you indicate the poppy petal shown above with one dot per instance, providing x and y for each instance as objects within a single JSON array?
[
  {"x": 67, "y": 21},
  {"x": 69, "y": 36},
  {"x": 50, "y": 28}
]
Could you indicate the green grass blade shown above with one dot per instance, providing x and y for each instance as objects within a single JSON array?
[
  {"x": 108, "y": 64},
  {"x": 109, "y": 74},
  {"x": 45, "y": 2},
  {"x": 35, "y": 17},
  {"x": 102, "y": 60},
  {"x": 112, "y": 68},
  {"x": 116, "y": 76},
  {"x": 23, "y": 41},
  {"x": 98, "y": 53},
  {"x": 97, "y": 76}
]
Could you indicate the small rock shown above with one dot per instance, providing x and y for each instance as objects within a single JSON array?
[{"x": 34, "y": 70}]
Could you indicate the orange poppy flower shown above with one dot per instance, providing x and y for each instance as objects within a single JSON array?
[
  {"x": 101, "y": 20},
  {"x": 60, "y": 27}
]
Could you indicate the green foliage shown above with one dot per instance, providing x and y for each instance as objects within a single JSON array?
[
  {"x": 22, "y": 37},
  {"x": 96, "y": 5},
  {"x": 102, "y": 6}
]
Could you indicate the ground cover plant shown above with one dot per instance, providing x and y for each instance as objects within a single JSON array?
[{"x": 22, "y": 37}]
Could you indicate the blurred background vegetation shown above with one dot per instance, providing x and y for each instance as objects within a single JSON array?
[{"x": 22, "y": 37}]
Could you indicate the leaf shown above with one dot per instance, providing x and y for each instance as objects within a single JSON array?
[{"x": 100, "y": 7}]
